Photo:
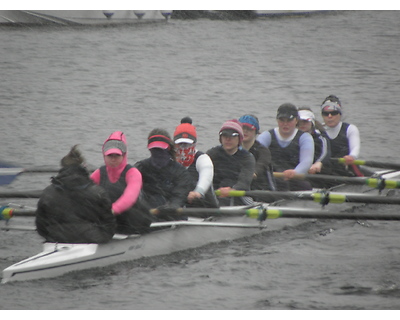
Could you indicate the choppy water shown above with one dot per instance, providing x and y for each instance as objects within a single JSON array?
[{"x": 63, "y": 86}]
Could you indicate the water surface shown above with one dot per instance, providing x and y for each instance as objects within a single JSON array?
[{"x": 67, "y": 86}]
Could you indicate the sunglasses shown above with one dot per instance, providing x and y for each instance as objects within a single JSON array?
[
  {"x": 225, "y": 134},
  {"x": 283, "y": 119},
  {"x": 332, "y": 113}
]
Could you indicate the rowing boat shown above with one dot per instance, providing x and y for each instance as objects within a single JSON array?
[
  {"x": 81, "y": 17},
  {"x": 57, "y": 259}
]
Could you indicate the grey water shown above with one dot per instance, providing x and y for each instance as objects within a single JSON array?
[{"x": 62, "y": 86}]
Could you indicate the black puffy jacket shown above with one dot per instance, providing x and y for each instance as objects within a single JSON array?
[
  {"x": 169, "y": 185},
  {"x": 75, "y": 210}
]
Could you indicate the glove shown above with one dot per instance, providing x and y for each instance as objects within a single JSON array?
[{"x": 167, "y": 208}]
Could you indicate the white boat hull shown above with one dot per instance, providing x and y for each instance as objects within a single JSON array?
[
  {"x": 58, "y": 259},
  {"x": 81, "y": 17}
]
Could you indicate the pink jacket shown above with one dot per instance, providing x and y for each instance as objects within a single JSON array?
[{"x": 133, "y": 179}]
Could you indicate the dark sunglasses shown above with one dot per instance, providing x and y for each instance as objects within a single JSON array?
[
  {"x": 226, "y": 134},
  {"x": 332, "y": 113}
]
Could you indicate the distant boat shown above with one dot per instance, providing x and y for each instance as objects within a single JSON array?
[
  {"x": 81, "y": 17},
  {"x": 241, "y": 14},
  {"x": 278, "y": 13}
]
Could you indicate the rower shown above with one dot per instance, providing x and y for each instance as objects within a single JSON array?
[
  {"x": 322, "y": 148},
  {"x": 123, "y": 183},
  {"x": 344, "y": 138},
  {"x": 166, "y": 183},
  {"x": 292, "y": 150},
  {"x": 197, "y": 163},
  {"x": 233, "y": 165},
  {"x": 263, "y": 178},
  {"x": 73, "y": 209}
]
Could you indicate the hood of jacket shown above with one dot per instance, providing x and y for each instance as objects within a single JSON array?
[
  {"x": 115, "y": 172},
  {"x": 73, "y": 177}
]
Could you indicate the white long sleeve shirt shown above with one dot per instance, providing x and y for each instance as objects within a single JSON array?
[{"x": 205, "y": 168}]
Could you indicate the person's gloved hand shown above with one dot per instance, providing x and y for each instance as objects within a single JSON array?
[{"x": 167, "y": 208}]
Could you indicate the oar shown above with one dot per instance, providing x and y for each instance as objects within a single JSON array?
[
  {"x": 371, "y": 182},
  {"x": 374, "y": 164},
  {"x": 280, "y": 212},
  {"x": 7, "y": 213},
  {"x": 283, "y": 212},
  {"x": 21, "y": 194},
  {"x": 18, "y": 228},
  {"x": 205, "y": 212},
  {"x": 203, "y": 223},
  {"x": 320, "y": 197},
  {"x": 37, "y": 169},
  {"x": 165, "y": 224},
  {"x": 9, "y": 171},
  {"x": 50, "y": 169},
  {"x": 8, "y": 175}
]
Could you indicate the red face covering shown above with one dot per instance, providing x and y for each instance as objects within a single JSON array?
[{"x": 185, "y": 154}]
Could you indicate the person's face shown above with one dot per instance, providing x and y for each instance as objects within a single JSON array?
[
  {"x": 113, "y": 160},
  {"x": 230, "y": 142},
  {"x": 331, "y": 118},
  {"x": 305, "y": 125},
  {"x": 185, "y": 152},
  {"x": 286, "y": 126},
  {"x": 183, "y": 146},
  {"x": 248, "y": 134}
]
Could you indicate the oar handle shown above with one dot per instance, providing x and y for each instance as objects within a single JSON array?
[
  {"x": 296, "y": 176},
  {"x": 157, "y": 211}
]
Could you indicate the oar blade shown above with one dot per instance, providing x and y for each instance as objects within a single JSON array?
[
  {"x": 8, "y": 174},
  {"x": 271, "y": 213}
]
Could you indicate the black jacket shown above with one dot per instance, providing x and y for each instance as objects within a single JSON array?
[
  {"x": 235, "y": 171},
  {"x": 75, "y": 210},
  {"x": 169, "y": 185},
  {"x": 264, "y": 171}
]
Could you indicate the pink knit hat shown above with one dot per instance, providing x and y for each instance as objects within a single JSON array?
[{"x": 233, "y": 126}]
